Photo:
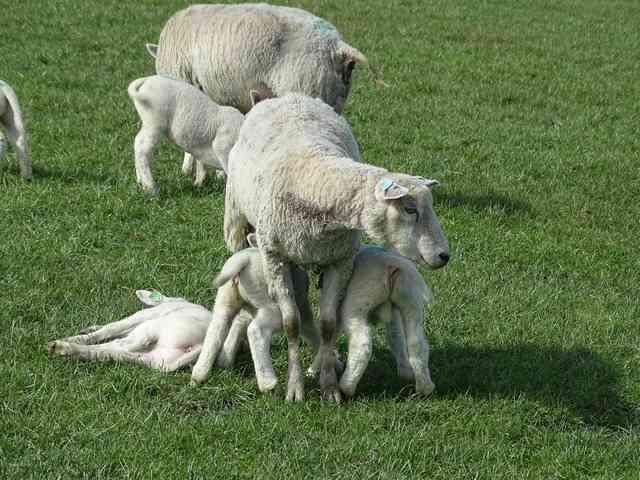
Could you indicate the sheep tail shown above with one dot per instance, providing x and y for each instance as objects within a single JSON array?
[
  {"x": 135, "y": 86},
  {"x": 231, "y": 269},
  {"x": 152, "y": 49}
]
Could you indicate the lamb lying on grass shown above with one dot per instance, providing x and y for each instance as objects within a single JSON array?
[
  {"x": 294, "y": 175},
  {"x": 12, "y": 125},
  {"x": 168, "y": 336},
  {"x": 229, "y": 50},
  {"x": 172, "y": 108},
  {"x": 385, "y": 287}
]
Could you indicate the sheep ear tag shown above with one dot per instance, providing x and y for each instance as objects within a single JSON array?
[
  {"x": 156, "y": 296},
  {"x": 391, "y": 190},
  {"x": 150, "y": 298}
]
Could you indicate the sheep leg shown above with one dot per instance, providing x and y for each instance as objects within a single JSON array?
[
  {"x": 145, "y": 142},
  {"x": 357, "y": 328},
  {"x": 3, "y": 144},
  {"x": 235, "y": 337},
  {"x": 184, "y": 360},
  {"x": 259, "y": 332},
  {"x": 201, "y": 174},
  {"x": 335, "y": 282},
  {"x": 278, "y": 275},
  {"x": 187, "y": 164},
  {"x": 396, "y": 338},
  {"x": 418, "y": 348},
  {"x": 122, "y": 350},
  {"x": 228, "y": 303},
  {"x": 236, "y": 225},
  {"x": 112, "y": 330},
  {"x": 18, "y": 140}
]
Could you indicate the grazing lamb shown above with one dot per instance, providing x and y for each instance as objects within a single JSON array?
[
  {"x": 242, "y": 287},
  {"x": 173, "y": 108},
  {"x": 229, "y": 50},
  {"x": 168, "y": 336},
  {"x": 13, "y": 126},
  {"x": 294, "y": 176}
]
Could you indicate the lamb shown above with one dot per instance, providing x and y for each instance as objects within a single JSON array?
[
  {"x": 173, "y": 108},
  {"x": 168, "y": 336},
  {"x": 242, "y": 301},
  {"x": 229, "y": 50},
  {"x": 12, "y": 124},
  {"x": 385, "y": 288},
  {"x": 309, "y": 200}
]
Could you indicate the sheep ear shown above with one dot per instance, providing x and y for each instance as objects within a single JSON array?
[
  {"x": 259, "y": 94},
  {"x": 252, "y": 239},
  {"x": 387, "y": 189},
  {"x": 152, "y": 49},
  {"x": 429, "y": 182},
  {"x": 351, "y": 55},
  {"x": 150, "y": 298}
]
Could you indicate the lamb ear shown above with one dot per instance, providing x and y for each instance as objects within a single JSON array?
[
  {"x": 427, "y": 182},
  {"x": 259, "y": 94},
  {"x": 150, "y": 298},
  {"x": 152, "y": 49},
  {"x": 252, "y": 239},
  {"x": 387, "y": 189}
]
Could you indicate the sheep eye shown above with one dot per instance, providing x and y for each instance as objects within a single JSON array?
[{"x": 411, "y": 210}]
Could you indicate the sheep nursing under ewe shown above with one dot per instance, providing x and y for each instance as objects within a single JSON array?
[
  {"x": 311, "y": 198},
  {"x": 385, "y": 288},
  {"x": 256, "y": 92},
  {"x": 171, "y": 108},
  {"x": 12, "y": 125}
]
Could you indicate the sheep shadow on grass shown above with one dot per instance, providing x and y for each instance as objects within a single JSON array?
[{"x": 575, "y": 379}]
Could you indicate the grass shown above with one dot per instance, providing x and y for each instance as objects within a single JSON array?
[{"x": 528, "y": 112}]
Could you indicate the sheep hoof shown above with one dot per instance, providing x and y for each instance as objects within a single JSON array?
[
  {"x": 332, "y": 394},
  {"x": 267, "y": 385},
  {"x": 295, "y": 392},
  {"x": 56, "y": 347},
  {"x": 197, "y": 377},
  {"x": 426, "y": 389}
]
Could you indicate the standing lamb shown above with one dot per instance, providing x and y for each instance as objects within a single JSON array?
[
  {"x": 229, "y": 50},
  {"x": 168, "y": 336},
  {"x": 12, "y": 124},
  {"x": 294, "y": 176},
  {"x": 242, "y": 288},
  {"x": 172, "y": 108},
  {"x": 385, "y": 288}
]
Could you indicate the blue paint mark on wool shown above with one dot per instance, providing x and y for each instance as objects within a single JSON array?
[{"x": 322, "y": 26}]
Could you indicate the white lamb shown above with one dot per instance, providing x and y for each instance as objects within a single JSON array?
[
  {"x": 168, "y": 336},
  {"x": 242, "y": 300},
  {"x": 294, "y": 176},
  {"x": 12, "y": 124},
  {"x": 385, "y": 288},
  {"x": 229, "y": 50},
  {"x": 172, "y": 108}
]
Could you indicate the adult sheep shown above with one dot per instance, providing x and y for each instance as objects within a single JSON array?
[
  {"x": 294, "y": 175},
  {"x": 229, "y": 50}
]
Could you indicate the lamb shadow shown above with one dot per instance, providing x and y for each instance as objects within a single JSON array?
[
  {"x": 481, "y": 202},
  {"x": 576, "y": 379},
  {"x": 67, "y": 177}
]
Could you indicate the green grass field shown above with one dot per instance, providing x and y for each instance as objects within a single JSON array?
[{"x": 527, "y": 112}]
